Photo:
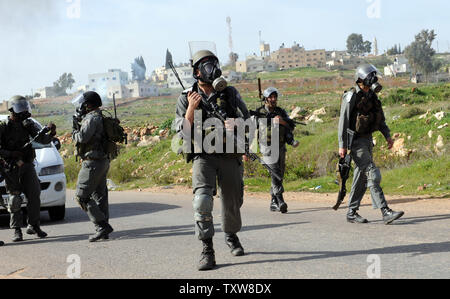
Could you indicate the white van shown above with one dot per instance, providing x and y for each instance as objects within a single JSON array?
[{"x": 50, "y": 169}]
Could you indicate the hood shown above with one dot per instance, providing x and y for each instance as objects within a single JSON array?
[{"x": 48, "y": 156}]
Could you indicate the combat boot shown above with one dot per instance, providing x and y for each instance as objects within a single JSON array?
[
  {"x": 353, "y": 217},
  {"x": 207, "y": 258},
  {"x": 389, "y": 216},
  {"x": 281, "y": 204},
  {"x": 274, "y": 204},
  {"x": 18, "y": 237},
  {"x": 232, "y": 241},
  {"x": 103, "y": 232},
  {"x": 2, "y": 243},
  {"x": 33, "y": 230}
]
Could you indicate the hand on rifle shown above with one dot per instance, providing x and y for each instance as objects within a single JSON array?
[
  {"x": 342, "y": 152},
  {"x": 278, "y": 119},
  {"x": 390, "y": 143},
  {"x": 52, "y": 128}
]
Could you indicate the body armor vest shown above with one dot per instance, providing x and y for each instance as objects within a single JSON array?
[{"x": 367, "y": 115}]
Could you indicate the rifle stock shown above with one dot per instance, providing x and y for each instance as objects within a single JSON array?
[{"x": 345, "y": 165}]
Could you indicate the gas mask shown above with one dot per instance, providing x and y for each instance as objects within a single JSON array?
[
  {"x": 22, "y": 116},
  {"x": 211, "y": 74},
  {"x": 372, "y": 82}
]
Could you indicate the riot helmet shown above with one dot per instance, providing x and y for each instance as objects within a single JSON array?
[
  {"x": 90, "y": 97},
  {"x": 368, "y": 74},
  {"x": 269, "y": 91},
  {"x": 20, "y": 107},
  {"x": 208, "y": 64}
]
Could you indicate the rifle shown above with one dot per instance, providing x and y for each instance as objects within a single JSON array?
[
  {"x": 344, "y": 167},
  {"x": 212, "y": 110}
]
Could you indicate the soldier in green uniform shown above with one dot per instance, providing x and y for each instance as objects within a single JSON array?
[
  {"x": 362, "y": 112},
  {"x": 222, "y": 169},
  {"x": 21, "y": 177},
  {"x": 271, "y": 111},
  {"x": 92, "y": 191}
]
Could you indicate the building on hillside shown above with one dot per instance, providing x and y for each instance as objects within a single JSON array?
[
  {"x": 186, "y": 76},
  {"x": 232, "y": 76},
  {"x": 399, "y": 67},
  {"x": 101, "y": 82},
  {"x": 254, "y": 64},
  {"x": 45, "y": 92},
  {"x": 160, "y": 74},
  {"x": 288, "y": 58},
  {"x": 83, "y": 88},
  {"x": 135, "y": 89}
]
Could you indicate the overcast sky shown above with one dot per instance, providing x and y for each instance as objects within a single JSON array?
[{"x": 41, "y": 39}]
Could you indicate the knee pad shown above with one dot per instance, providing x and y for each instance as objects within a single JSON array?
[
  {"x": 15, "y": 203},
  {"x": 373, "y": 176},
  {"x": 203, "y": 206}
]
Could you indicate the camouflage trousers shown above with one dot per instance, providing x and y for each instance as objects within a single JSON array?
[{"x": 366, "y": 175}]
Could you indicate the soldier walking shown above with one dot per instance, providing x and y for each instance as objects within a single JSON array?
[
  {"x": 210, "y": 170},
  {"x": 271, "y": 111},
  {"x": 362, "y": 112},
  {"x": 89, "y": 136}
]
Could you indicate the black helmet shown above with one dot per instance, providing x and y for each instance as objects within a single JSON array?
[
  {"x": 19, "y": 104},
  {"x": 90, "y": 97}
]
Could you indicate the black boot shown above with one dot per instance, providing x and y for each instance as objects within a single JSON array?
[
  {"x": 274, "y": 204},
  {"x": 232, "y": 241},
  {"x": 281, "y": 204},
  {"x": 2, "y": 243},
  {"x": 18, "y": 237},
  {"x": 389, "y": 216},
  {"x": 103, "y": 232},
  {"x": 207, "y": 258},
  {"x": 354, "y": 217},
  {"x": 33, "y": 230}
]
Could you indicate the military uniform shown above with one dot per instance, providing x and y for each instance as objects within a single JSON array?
[
  {"x": 362, "y": 112},
  {"x": 222, "y": 169},
  {"x": 92, "y": 191},
  {"x": 22, "y": 179},
  {"x": 277, "y": 189}
]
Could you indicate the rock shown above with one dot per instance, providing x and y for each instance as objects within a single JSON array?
[
  {"x": 396, "y": 117},
  {"x": 110, "y": 184},
  {"x": 424, "y": 115},
  {"x": 181, "y": 181},
  {"x": 439, "y": 147},
  {"x": 430, "y": 134},
  {"x": 409, "y": 137},
  {"x": 314, "y": 118},
  {"x": 443, "y": 126},
  {"x": 321, "y": 111},
  {"x": 296, "y": 113},
  {"x": 148, "y": 140},
  {"x": 439, "y": 115},
  {"x": 399, "y": 148}
]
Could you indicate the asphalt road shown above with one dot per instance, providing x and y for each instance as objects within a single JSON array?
[{"x": 154, "y": 238}]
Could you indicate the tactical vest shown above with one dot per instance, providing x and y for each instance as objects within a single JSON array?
[
  {"x": 227, "y": 103},
  {"x": 270, "y": 115},
  {"x": 367, "y": 116},
  {"x": 13, "y": 137}
]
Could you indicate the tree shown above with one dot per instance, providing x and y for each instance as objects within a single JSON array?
[
  {"x": 64, "y": 83},
  {"x": 357, "y": 46},
  {"x": 138, "y": 69},
  {"x": 420, "y": 53}
]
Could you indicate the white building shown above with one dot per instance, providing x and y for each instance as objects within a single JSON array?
[
  {"x": 136, "y": 89},
  {"x": 46, "y": 92},
  {"x": 400, "y": 66},
  {"x": 254, "y": 64},
  {"x": 186, "y": 76},
  {"x": 232, "y": 76},
  {"x": 101, "y": 82}
]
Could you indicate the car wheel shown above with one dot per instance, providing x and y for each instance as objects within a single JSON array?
[{"x": 57, "y": 213}]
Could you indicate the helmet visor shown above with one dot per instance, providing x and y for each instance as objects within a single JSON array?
[
  {"x": 78, "y": 101},
  {"x": 365, "y": 70},
  {"x": 21, "y": 106}
]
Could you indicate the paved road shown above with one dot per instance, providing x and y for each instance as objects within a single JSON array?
[{"x": 154, "y": 238}]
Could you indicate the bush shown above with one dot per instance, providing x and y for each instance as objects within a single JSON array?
[{"x": 411, "y": 112}]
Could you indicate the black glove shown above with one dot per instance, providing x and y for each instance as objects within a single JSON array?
[
  {"x": 76, "y": 123},
  {"x": 52, "y": 128},
  {"x": 16, "y": 154}
]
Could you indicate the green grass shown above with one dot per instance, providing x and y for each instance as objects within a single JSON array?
[{"x": 310, "y": 165}]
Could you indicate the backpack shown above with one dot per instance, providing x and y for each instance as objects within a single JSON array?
[{"x": 114, "y": 133}]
